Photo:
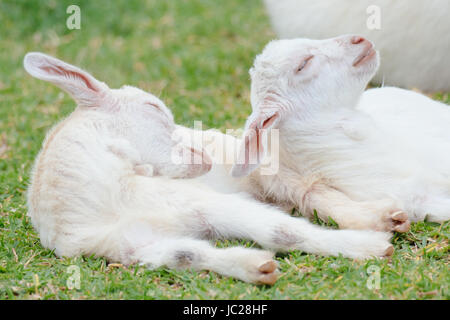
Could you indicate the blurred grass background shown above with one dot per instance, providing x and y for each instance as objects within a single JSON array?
[{"x": 195, "y": 55}]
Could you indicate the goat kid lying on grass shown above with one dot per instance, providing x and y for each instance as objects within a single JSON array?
[
  {"x": 367, "y": 159},
  {"x": 105, "y": 183}
]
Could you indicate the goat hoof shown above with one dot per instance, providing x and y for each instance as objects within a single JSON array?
[
  {"x": 389, "y": 251},
  {"x": 268, "y": 278},
  {"x": 267, "y": 273},
  {"x": 400, "y": 221},
  {"x": 268, "y": 267}
]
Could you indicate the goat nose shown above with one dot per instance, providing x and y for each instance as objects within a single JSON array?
[{"x": 357, "y": 40}]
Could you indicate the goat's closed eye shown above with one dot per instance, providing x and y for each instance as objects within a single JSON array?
[
  {"x": 153, "y": 105},
  {"x": 304, "y": 63},
  {"x": 160, "y": 109}
]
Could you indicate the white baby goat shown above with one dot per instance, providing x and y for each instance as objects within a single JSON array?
[
  {"x": 105, "y": 183},
  {"x": 368, "y": 160}
]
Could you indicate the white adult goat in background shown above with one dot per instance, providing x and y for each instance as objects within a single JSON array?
[
  {"x": 105, "y": 183},
  {"x": 413, "y": 36},
  {"x": 368, "y": 160}
]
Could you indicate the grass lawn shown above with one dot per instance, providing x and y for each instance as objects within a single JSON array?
[{"x": 195, "y": 54}]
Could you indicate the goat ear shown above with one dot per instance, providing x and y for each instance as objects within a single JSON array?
[
  {"x": 253, "y": 147},
  {"x": 84, "y": 88}
]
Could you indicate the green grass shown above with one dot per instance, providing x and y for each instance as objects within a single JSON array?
[{"x": 194, "y": 54}]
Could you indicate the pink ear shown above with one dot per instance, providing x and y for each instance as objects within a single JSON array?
[
  {"x": 83, "y": 87},
  {"x": 254, "y": 144}
]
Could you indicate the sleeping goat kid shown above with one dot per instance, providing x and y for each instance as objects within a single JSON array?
[
  {"x": 368, "y": 160},
  {"x": 105, "y": 183}
]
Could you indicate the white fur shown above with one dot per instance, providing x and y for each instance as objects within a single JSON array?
[
  {"x": 105, "y": 183},
  {"x": 413, "y": 39},
  {"x": 362, "y": 158}
]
